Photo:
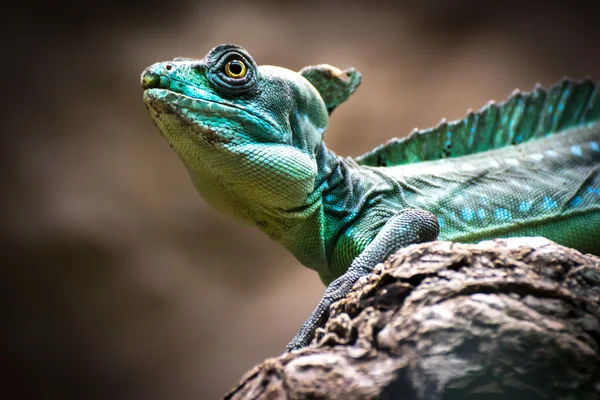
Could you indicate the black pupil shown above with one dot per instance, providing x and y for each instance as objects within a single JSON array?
[{"x": 235, "y": 67}]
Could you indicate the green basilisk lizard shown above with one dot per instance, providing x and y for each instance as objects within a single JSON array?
[{"x": 252, "y": 140}]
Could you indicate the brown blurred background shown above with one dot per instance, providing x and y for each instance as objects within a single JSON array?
[{"x": 118, "y": 281}]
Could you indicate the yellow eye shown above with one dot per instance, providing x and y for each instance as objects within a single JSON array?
[{"x": 235, "y": 69}]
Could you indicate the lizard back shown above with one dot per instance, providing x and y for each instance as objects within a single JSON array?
[
  {"x": 529, "y": 166},
  {"x": 545, "y": 187}
]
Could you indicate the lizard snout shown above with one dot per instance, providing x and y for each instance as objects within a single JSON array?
[{"x": 149, "y": 79}]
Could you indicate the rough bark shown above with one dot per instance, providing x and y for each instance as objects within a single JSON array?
[{"x": 504, "y": 319}]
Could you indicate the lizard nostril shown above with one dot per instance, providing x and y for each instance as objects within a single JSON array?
[
  {"x": 168, "y": 67},
  {"x": 150, "y": 79}
]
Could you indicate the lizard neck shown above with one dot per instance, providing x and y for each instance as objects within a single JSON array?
[
  {"x": 303, "y": 230},
  {"x": 310, "y": 230},
  {"x": 352, "y": 199}
]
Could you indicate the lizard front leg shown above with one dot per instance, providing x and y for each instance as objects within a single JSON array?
[{"x": 408, "y": 227}]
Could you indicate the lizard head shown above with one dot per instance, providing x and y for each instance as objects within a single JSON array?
[{"x": 248, "y": 135}]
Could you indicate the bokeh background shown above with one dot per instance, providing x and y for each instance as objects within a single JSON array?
[{"x": 118, "y": 281}]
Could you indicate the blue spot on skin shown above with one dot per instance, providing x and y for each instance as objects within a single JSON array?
[
  {"x": 594, "y": 146},
  {"x": 330, "y": 198},
  {"x": 484, "y": 200},
  {"x": 590, "y": 189},
  {"x": 549, "y": 109},
  {"x": 467, "y": 214},
  {"x": 525, "y": 206},
  {"x": 481, "y": 213},
  {"x": 549, "y": 204},
  {"x": 453, "y": 215},
  {"x": 441, "y": 221},
  {"x": 561, "y": 106},
  {"x": 576, "y": 150},
  {"x": 503, "y": 214},
  {"x": 518, "y": 139},
  {"x": 575, "y": 201}
]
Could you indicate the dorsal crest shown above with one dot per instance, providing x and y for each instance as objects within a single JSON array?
[{"x": 521, "y": 118}]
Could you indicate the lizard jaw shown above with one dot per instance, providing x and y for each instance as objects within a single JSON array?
[
  {"x": 221, "y": 121},
  {"x": 193, "y": 115}
]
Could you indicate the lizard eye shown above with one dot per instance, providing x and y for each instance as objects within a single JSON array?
[
  {"x": 231, "y": 69},
  {"x": 235, "y": 69}
]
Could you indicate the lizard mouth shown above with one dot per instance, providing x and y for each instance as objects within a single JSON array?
[
  {"x": 165, "y": 100},
  {"x": 195, "y": 114},
  {"x": 206, "y": 113}
]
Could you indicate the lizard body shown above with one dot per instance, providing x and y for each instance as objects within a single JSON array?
[{"x": 252, "y": 140}]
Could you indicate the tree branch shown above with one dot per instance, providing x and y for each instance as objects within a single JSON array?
[{"x": 505, "y": 319}]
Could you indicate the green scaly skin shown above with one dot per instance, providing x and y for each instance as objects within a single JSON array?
[{"x": 253, "y": 144}]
